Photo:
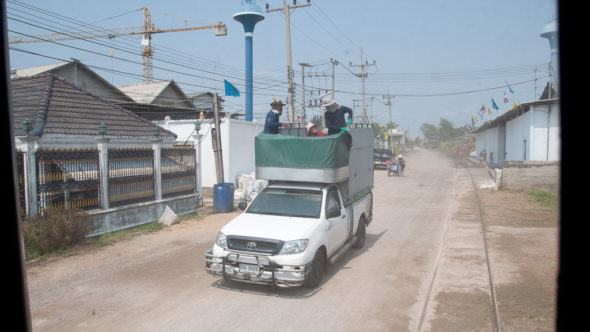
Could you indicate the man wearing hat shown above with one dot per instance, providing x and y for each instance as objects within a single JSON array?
[
  {"x": 272, "y": 124},
  {"x": 334, "y": 116}
]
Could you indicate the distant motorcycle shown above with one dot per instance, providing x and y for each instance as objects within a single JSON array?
[{"x": 393, "y": 168}]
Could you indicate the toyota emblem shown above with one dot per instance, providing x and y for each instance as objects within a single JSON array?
[{"x": 251, "y": 245}]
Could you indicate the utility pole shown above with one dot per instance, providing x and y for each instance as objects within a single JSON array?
[
  {"x": 334, "y": 63},
  {"x": 332, "y": 93},
  {"x": 303, "y": 65},
  {"x": 388, "y": 103},
  {"x": 216, "y": 141},
  {"x": 363, "y": 75},
  {"x": 286, "y": 10},
  {"x": 355, "y": 105}
]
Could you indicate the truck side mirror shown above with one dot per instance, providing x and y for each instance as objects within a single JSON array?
[
  {"x": 242, "y": 206},
  {"x": 333, "y": 212}
]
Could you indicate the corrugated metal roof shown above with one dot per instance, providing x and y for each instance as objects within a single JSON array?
[
  {"x": 54, "y": 106},
  {"x": 32, "y": 71},
  {"x": 514, "y": 112}
]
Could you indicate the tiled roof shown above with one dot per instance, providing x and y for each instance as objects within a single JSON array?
[{"x": 56, "y": 107}]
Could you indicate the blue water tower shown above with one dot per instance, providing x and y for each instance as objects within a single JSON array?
[{"x": 249, "y": 14}]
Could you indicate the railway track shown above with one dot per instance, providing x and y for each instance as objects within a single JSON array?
[{"x": 490, "y": 276}]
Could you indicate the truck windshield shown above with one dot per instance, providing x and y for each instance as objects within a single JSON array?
[{"x": 288, "y": 202}]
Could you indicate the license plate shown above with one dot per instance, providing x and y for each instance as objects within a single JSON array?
[{"x": 247, "y": 268}]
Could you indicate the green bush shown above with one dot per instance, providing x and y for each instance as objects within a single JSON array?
[{"x": 54, "y": 230}]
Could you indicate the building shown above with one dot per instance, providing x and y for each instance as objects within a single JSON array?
[
  {"x": 203, "y": 101},
  {"x": 80, "y": 76},
  {"x": 60, "y": 113},
  {"x": 75, "y": 150},
  {"x": 152, "y": 101},
  {"x": 527, "y": 132}
]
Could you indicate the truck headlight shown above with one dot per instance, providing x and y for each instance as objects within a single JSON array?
[
  {"x": 221, "y": 240},
  {"x": 294, "y": 247}
]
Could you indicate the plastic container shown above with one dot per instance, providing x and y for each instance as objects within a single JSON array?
[{"x": 223, "y": 197}]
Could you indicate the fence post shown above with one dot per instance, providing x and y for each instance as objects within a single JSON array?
[
  {"x": 103, "y": 166},
  {"x": 30, "y": 176},
  {"x": 198, "y": 192},
  {"x": 157, "y": 146}
]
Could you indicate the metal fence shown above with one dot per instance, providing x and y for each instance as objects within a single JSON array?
[
  {"x": 70, "y": 178},
  {"x": 178, "y": 171},
  {"x": 131, "y": 176},
  {"x": 67, "y": 179}
]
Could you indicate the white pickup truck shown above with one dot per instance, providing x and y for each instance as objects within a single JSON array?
[{"x": 293, "y": 229}]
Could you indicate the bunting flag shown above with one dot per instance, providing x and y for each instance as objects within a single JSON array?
[
  {"x": 505, "y": 98},
  {"x": 230, "y": 90},
  {"x": 482, "y": 110},
  {"x": 509, "y": 88},
  {"x": 489, "y": 111},
  {"x": 494, "y": 105},
  {"x": 300, "y": 118}
]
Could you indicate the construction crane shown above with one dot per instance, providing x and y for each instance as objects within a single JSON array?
[{"x": 146, "y": 33}]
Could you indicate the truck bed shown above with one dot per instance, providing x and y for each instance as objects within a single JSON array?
[{"x": 345, "y": 158}]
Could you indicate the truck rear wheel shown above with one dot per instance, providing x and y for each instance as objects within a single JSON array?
[
  {"x": 315, "y": 274},
  {"x": 361, "y": 233}
]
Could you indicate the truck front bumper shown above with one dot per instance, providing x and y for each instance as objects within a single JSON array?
[{"x": 253, "y": 268}]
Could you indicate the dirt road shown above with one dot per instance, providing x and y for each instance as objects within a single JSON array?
[{"x": 423, "y": 268}]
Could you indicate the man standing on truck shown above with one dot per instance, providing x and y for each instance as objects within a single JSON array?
[
  {"x": 334, "y": 116},
  {"x": 272, "y": 124}
]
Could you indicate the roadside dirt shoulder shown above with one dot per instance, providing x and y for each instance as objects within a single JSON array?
[{"x": 523, "y": 240}]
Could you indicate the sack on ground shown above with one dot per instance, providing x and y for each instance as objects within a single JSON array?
[{"x": 168, "y": 217}]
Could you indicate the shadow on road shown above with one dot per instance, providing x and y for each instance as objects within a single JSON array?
[{"x": 299, "y": 292}]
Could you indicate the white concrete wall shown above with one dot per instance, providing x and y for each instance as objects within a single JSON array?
[
  {"x": 542, "y": 150},
  {"x": 237, "y": 144},
  {"x": 492, "y": 140},
  {"x": 532, "y": 127},
  {"x": 517, "y": 131}
]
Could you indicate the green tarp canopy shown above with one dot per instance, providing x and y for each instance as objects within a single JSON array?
[{"x": 302, "y": 152}]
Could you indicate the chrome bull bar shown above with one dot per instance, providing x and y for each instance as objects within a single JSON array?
[{"x": 259, "y": 269}]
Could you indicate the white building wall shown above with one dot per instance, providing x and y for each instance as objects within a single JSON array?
[
  {"x": 237, "y": 145},
  {"x": 542, "y": 149},
  {"x": 517, "y": 137},
  {"x": 532, "y": 128},
  {"x": 492, "y": 141}
]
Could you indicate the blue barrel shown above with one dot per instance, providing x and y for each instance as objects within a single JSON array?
[{"x": 223, "y": 197}]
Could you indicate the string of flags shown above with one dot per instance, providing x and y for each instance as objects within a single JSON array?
[{"x": 484, "y": 111}]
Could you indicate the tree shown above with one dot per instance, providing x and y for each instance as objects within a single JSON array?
[
  {"x": 429, "y": 131},
  {"x": 380, "y": 129},
  {"x": 446, "y": 131}
]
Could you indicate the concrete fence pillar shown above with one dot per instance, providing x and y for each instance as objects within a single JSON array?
[
  {"x": 103, "y": 167},
  {"x": 30, "y": 176},
  {"x": 199, "y": 190},
  {"x": 157, "y": 147}
]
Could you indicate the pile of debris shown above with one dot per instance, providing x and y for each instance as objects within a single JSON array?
[{"x": 247, "y": 187}]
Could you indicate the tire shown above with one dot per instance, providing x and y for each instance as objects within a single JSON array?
[
  {"x": 361, "y": 234},
  {"x": 315, "y": 273}
]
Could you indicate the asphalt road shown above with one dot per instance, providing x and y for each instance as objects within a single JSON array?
[{"x": 415, "y": 258}]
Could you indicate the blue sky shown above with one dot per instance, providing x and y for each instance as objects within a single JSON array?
[{"x": 428, "y": 54}]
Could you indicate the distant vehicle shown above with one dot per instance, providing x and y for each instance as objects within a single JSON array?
[
  {"x": 380, "y": 157},
  {"x": 317, "y": 205}
]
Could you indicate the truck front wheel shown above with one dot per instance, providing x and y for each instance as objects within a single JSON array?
[
  {"x": 361, "y": 233},
  {"x": 315, "y": 273}
]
